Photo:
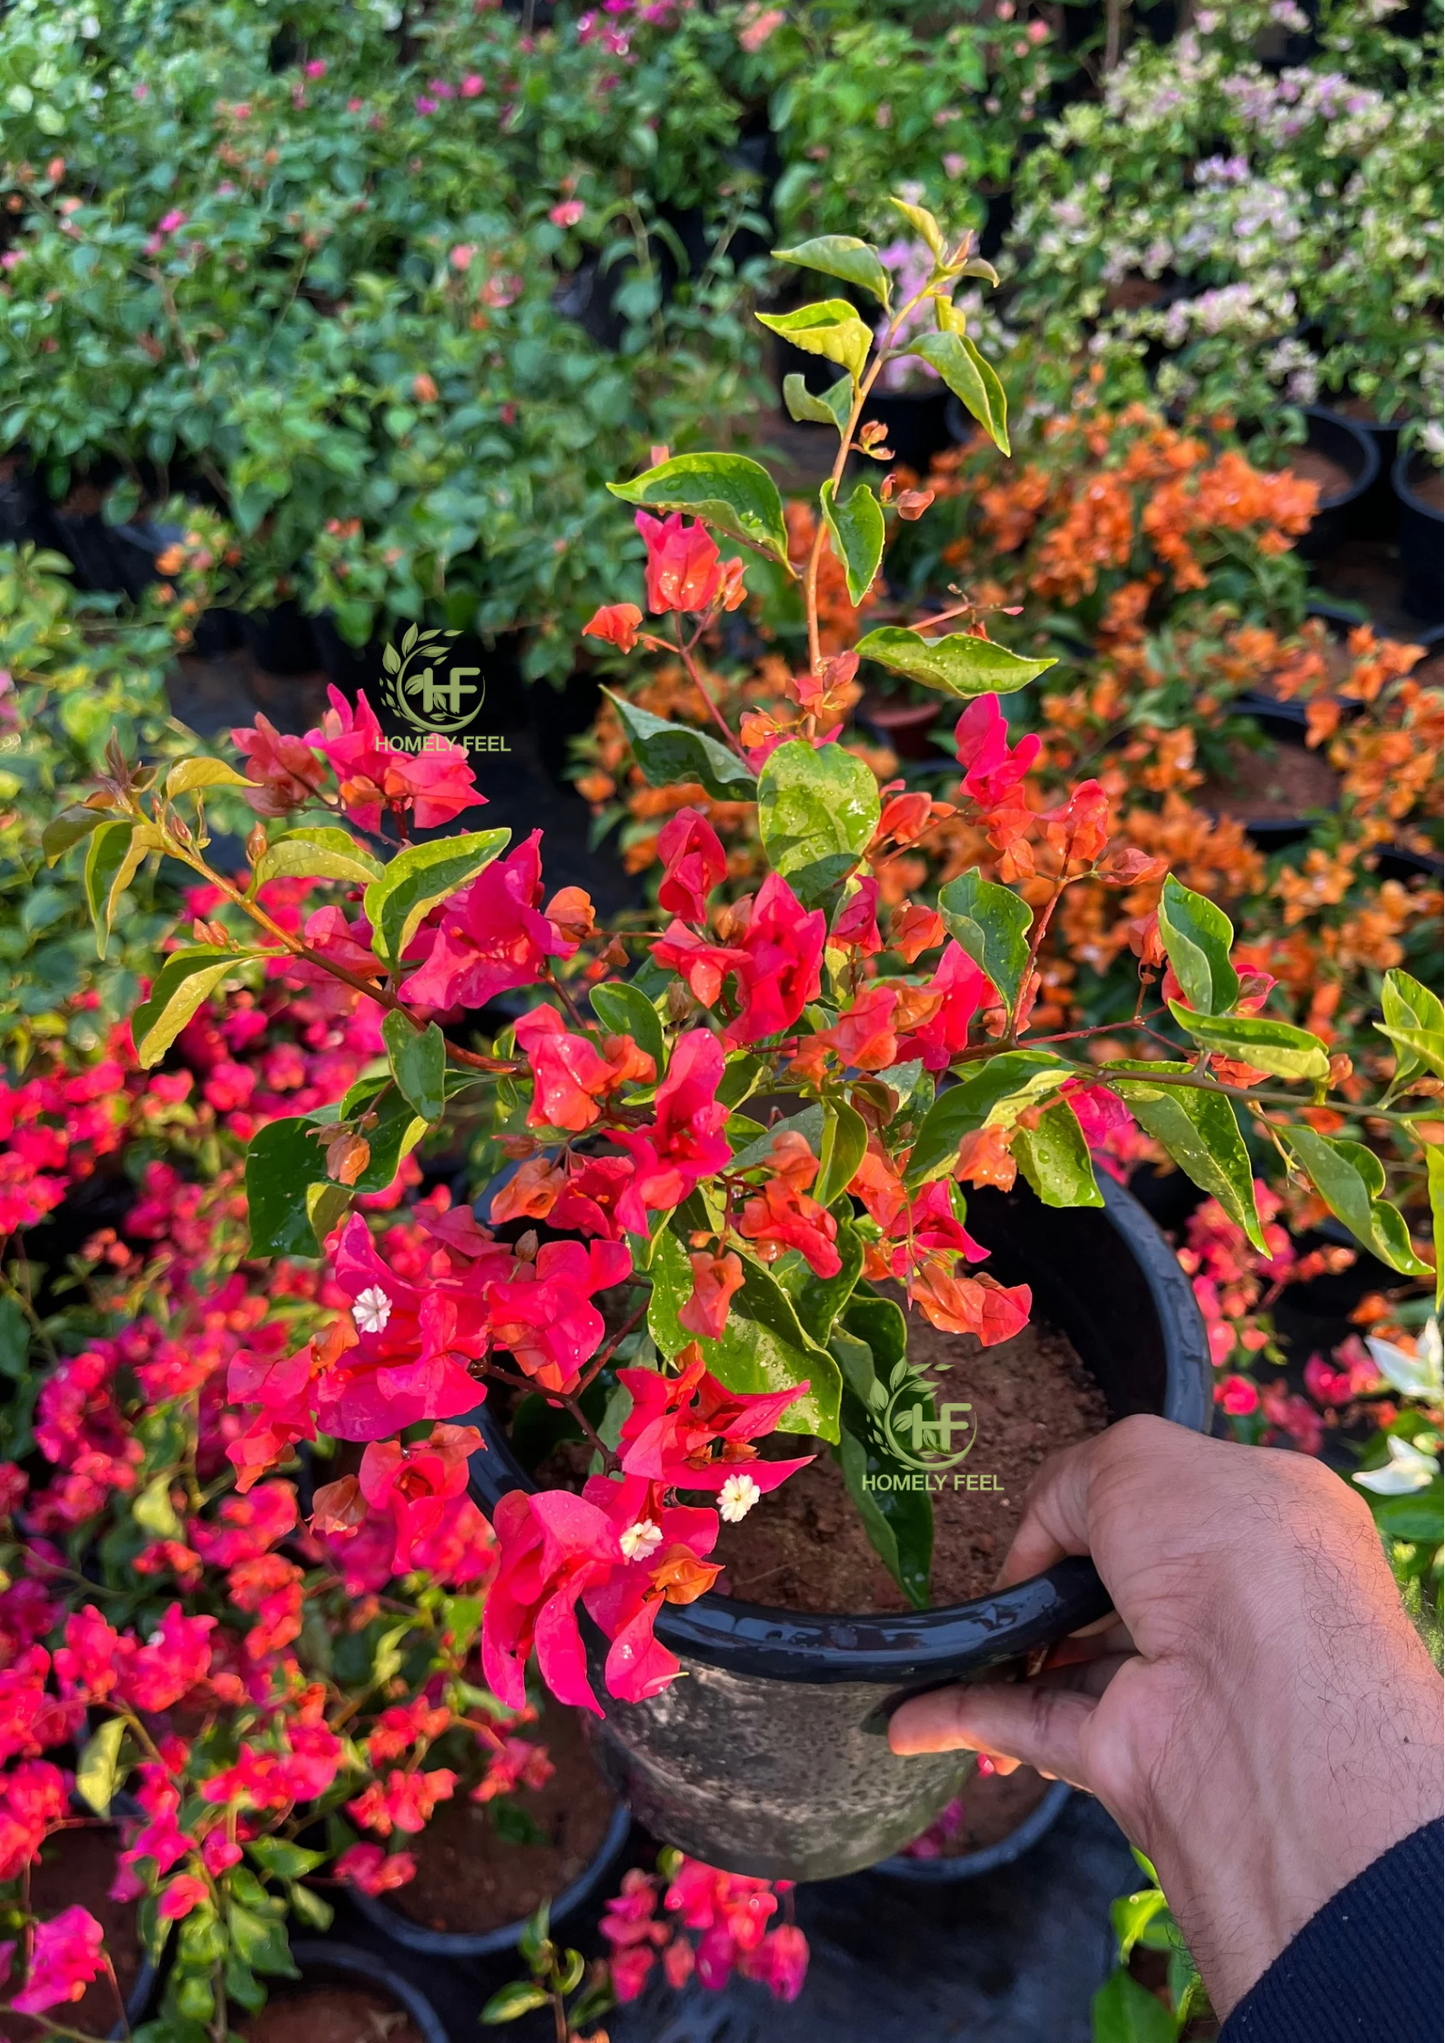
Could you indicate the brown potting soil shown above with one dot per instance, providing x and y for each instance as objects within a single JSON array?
[
  {"x": 76, "y": 1869},
  {"x": 994, "y": 1805},
  {"x": 1132, "y": 294},
  {"x": 331, "y": 2014},
  {"x": 1273, "y": 785},
  {"x": 804, "y": 1547},
  {"x": 469, "y": 1880},
  {"x": 86, "y": 500},
  {"x": 1364, "y": 411},
  {"x": 1429, "y": 488},
  {"x": 1311, "y": 466}
]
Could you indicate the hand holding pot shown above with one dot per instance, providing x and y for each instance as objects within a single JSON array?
[{"x": 1261, "y": 1720}]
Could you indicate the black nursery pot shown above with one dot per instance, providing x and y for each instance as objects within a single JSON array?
[
  {"x": 970, "y": 1865},
  {"x": 280, "y": 641},
  {"x": 770, "y": 1756},
  {"x": 918, "y": 422},
  {"x": 324, "y": 1963},
  {"x": 1338, "y": 439},
  {"x": 1420, "y": 539}
]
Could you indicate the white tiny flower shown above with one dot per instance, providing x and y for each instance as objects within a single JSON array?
[
  {"x": 372, "y": 1310},
  {"x": 1416, "y": 1375},
  {"x": 641, "y": 1541},
  {"x": 737, "y": 1497},
  {"x": 1407, "y": 1469}
]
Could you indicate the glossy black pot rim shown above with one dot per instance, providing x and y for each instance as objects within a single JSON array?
[
  {"x": 970, "y": 1865},
  {"x": 1366, "y": 445},
  {"x": 1400, "y": 483},
  {"x": 926, "y": 1645},
  {"x": 316, "y": 1956}
]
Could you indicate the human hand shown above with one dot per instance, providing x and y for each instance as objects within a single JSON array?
[{"x": 1260, "y": 1718}]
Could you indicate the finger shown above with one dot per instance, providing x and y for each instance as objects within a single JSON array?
[
  {"x": 1038, "y": 1725},
  {"x": 1055, "y": 1518}
]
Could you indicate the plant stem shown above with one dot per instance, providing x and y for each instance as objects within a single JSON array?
[{"x": 695, "y": 677}]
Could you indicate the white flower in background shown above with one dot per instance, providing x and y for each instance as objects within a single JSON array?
[
  {"x": 371, "y": 1310},
  {"x": 641, "y": 1541},
  {"x": 1417, "y": 1375},
  {"x": 737, "y": 1497},
  {"x": 1406, "y": 1470}
]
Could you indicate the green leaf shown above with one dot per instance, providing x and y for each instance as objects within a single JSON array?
[
  {"x": 857, "y": 531},
  {"x": 1126, "y": 2012},
  {"x": 1132, "y": 1914},
  {"x": 322, "y": 854},
  {"x": 845, "y": 1138},
  {"x": 992, "y": 1094},
  {"x": 280, "y": 1859},
  {"x": 992, "y": 924},
  {"x": 808, "y": 1123},
  {"x": 882, "y": 1324},
  {"x": 1415, "y": 1024},
  {"x": 418, "y": 878},
  {"x": 899, "y": 1523},
  {"x": 668, "y": 753},
  {"x": 1351, "y": 1181},
  {"x": 1200, "y": 1132},
  {"x": 260, "y": 1942},
  {"x": 111, "y": 863},
  {"x": 819, "y": 1300},
  {"x": 1197, "y": 937},
  {"x": 830, "y": 328},
  {"x": 763, "y": 1346},
  {"x": 309, "y": 1907},
  {"x": 511, "y": 2001},
  {"x": 282, "y": 1161},
  {"x": 841, "y": 255},
  {"x": 923, "y": 224},
  {"x": 68, "y": 828},
  {"x": 971, "y": 379},
  {"x": 727, "y": 491},
  {"x": 153, "y": 1510},
  {"x": 1419, "y": 1517},
  {"x": 185, "y": 980},
  {"x": 1435, "y": 1178},
  {"x": 958, "y": 663},
  {"x": 1273, "y": 1046},
  {"x": 98, "y": 1766},
  {"x": 626, "y": 1011},
  {"x": 833, "y": 407},
  {"x": 817, "y": 812},
  {"x": 395, "y": 1132},
  {"x": 1055, "y": 1159},
  {"x": 191, "y": 774},
  {"x": 418, "y": 1063}
]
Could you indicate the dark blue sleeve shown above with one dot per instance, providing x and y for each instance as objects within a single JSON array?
[{"x": 1367, "y": 1966}]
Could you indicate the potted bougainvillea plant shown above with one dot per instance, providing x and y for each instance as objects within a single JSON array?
[{"x": 732, "y": 1226}]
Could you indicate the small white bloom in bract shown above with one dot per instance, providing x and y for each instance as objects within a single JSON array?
[
  {"x": 641, "y": 1541},
  {"x": 1406, "y": 1470},
  {"x": 737, "y": 1497},
  {"x": 372, "y": 1310}
]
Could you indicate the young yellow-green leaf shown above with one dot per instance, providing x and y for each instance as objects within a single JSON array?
[
  {"x": 971, "y": 379},
  {"x": 841, "y": 255},
  {"x": 326, "y": 1207},
  {"x": 856, "y": 529},
  {"x": 831, "y": 407},
  {"x": 153, "y": 1510},
  {"x": 1200, "y": 1133},
  {"x": 191, "y": 774},
  {"x": 728, "y": 491},
  {"x": 668, "y": 753},
  {"x": 68, "y": 828},
  {"x": 991, "y": 1094},
  {"x": 959, "y": 664},
  {"x": 845, "y": 1138},
  {"x": 418, "y": 1063},
  {"x": 107, "y": 853},
  {"x": 1435, "y": 1179},
  {"x": 1055, "y": 1159},
  {"x": 763, "y": 1346},
  {"x": 1132, "y": 1914},
  {"x": 98, "y": 1765},
  {"x": 510, "y": 2002},
  {"x": 830, "y": 328},
  {"x": 1351, "y": 1181},
  {"x": 923, "y": 223},
  {"x": 992, "y": 924},
  {"x": 418, "y": 878},
  {"x": 322, "y": 854},
  {"x": 817, "y": 812},
  {"x": 185, "y": 979},
  {"x": 625, "y": 1010},
  {"x": 1273, "y": 1046},
  {"x": 1197, "y": 937},
  {"x": 1415, "y": 1023}
]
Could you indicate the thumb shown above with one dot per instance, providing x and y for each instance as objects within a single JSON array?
[{"x": 1033, "y": 1723}]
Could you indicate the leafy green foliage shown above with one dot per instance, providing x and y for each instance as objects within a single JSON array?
[
  {"x": 419, "y": 877},
  {"x": 992, "y": 1094},
  {"x": 1197, "y": 938},
  {"x": 727, "y": 491},
  {"x": 843, "y": 256},
  {"x": 958, "y": 663},
  {"x": 992, "y": 924},
  {"x": 1351, "y": 1180},
  {"x": 830, "y": 328},
  {"x": 817, "y": 811},
  {"x": 669, "y": 752},
  {"x": 857, "y": 530},
  {"x": 1199, "y": 1131}
]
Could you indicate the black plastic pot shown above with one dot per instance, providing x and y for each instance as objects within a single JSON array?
[
  {"x": 393, "y": 1928},
  {"x": 918, "y": 422},
  {"x": 322, "y": 1962},
  {"x": 24, "y": 512},
  {"x": 281, "y": 640},
  {"x": 1338, "y": 439},
  {"x": 969, "y": 1865},
  {"x": 770, "y": 1756},
  {"x": 1420, "y": 539}
]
